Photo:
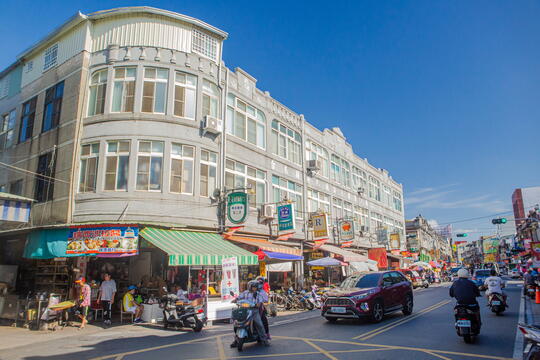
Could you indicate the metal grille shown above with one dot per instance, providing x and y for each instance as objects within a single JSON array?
[
  {"x": 339, "y": 301},
  {"x": 204, "y": 44}
]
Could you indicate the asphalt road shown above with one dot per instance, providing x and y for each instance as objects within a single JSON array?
[{"x": 426, "y": 334}]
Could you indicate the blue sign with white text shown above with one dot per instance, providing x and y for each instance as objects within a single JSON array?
[{"x": 286, "y": 217}]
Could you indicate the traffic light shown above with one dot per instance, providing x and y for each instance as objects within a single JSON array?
[
  {"x": 462, "y": 235},
  {"x": 499, "y": 221}
]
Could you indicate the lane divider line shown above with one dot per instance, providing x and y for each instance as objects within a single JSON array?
[
  {"x": 394, "y": 322},
  {"x": 220, "y": 349},
  {"x": 406, "y": 320},
  {"x": 321, "y": 350}
]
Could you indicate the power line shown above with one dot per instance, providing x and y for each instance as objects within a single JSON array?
[
  {"x": 484, "y": 217},
  {"x": 15, "y": 168}
]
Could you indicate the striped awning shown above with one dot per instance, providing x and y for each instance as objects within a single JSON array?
[
  {"x": 196, "y": 248},
  {"x": 16, "y": 211},
  {"x": 264, "y": 245}
]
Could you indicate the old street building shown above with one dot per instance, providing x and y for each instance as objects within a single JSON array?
[
  {"x": 130, "y": 117},
  {"x": 425, "y": 241}
]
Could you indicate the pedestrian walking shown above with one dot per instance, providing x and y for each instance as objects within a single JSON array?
[
  {"x": 84, "y": 300},
  {"x": 107, "y": 292}
]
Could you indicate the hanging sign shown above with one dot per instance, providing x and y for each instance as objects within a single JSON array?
[
  {"x": 103, "y": 239},
  {"x": 535, "y": 249},
  {"x": 286, "y": 217},
  {"x": 320, "y": 226},
  {"x": 229, "y": 280},
  {"x": 346, "y": 230},
  {"x": 395, "y": 241},
  {"x": 237, "y": 207}
]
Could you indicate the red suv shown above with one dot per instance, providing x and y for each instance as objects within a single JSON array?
[{"x": 369, "y": 295}]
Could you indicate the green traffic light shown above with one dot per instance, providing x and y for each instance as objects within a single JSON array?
[{"x": 503, "y": 220}]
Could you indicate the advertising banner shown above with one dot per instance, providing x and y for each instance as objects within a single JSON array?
[
  {"x": 491, "y": 246},
  {"x": 346, "y": 230},
  {"x": 103, "y": 239},
  {"x": 320, "y": 226},
  {"x": 286, "y": 217},
  {"x": 379, "y": 255},
  {"x": 229, "y": 281},
  {"x": 535, "y": 249},
  {"x": 237, "y": 207},
  {"x": 395, "y": 240}
]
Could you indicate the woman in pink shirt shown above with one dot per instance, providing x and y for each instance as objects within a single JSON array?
[{"x": 84, "y": 300}]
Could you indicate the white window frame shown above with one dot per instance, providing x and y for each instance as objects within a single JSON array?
[
  {"x": 315, "y": 151},
  {"x": 152, "y": 155},
  {"x": 50, "y": 57},
  {"x": 374, "y": 188},
  {"x": 97, "y": 81},
  {"x": 210, "y": 163},
  {"x": 117, "y": 154},
  {"x": 189, "y": 84},
  {"x": 156, "y": 80},
  {"x": 398, "y": 205},
  {"x": 210, "y": 91},
  {"x": 7, "y": 129},
  {"x": 290, "y": 140},
  {"x": 322, "y": 201},
  {"x": 247, "y": 173},
  {"x": 184, "y": 158},
  {"x": 237, "y": 108},
  {"x": 93, "y": 153},
  {"x": 127, "y": 78},
  {"x": 293, "y": 192}
]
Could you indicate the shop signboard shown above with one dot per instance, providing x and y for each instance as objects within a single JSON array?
[
  {"x": 346, "y": 230},
  {"x": 395, "y": 240},
  {"x": 491, "y": 246},
  {"x": 286, "y": 217},
  {"x": 320, "y": 226},
  {"x": 535, "y": 249},
  {"x": 229, "y": 282},
  {"x": 237, "y": 207},
  {"x": 103, "y": 239}
]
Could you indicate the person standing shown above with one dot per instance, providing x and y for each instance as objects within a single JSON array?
[
  {"x": 107, "y": 291},
  {"x": 84, "y": 300}
]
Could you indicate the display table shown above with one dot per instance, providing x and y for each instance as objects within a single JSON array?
[
  {"x": 219, "y": 310},
  {"x": 152, "y": 313}
]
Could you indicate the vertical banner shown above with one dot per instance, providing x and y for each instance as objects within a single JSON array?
[
  {"x": 286, "y": 217},
  {"x": 346, "y": 232},
  {"x": 237, "y": 207},
  {"x": 395, "y": 241},
  {"x": 320, "y": 229},
  {"x": 229, "y": 282}
]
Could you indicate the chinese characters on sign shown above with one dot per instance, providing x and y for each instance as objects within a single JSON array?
[
  {"x": 229, "y": 281},
  {"x": 346, "y": 230},
  {"x": 104, "y": 239},
  {"x": 286, "y": 217},
  {"x": 237, "y": 207},
  {"x": 395, "y": 240}
]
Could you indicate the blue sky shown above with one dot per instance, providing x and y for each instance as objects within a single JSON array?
[{"x": 443, "y": 94}]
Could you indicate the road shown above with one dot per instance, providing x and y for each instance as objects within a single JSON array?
[{"x": 426, "y": 334}]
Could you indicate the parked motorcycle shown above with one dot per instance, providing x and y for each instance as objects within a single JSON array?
[
  {"x": 531, "y": 333},
  {"x": 180, "y": 314},
  {"x": 496, "y": 303},
  {"x": 305, "y": 300},
  {"x": 244, "y": 327},
  {"x": 315, "y": 297},
  {"x": 467, "y": 325}
]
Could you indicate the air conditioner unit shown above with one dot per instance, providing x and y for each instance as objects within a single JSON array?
[
  {"x": 364, "y": 228},
  {"x": 313, "y": 165},
  {"x": 360, "y": 191},
  {"x": 212, "y": 125},
  {"x": 268, "y": 211}
]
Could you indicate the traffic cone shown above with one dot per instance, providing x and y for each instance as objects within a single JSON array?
[{"x": 537, "y": 293}]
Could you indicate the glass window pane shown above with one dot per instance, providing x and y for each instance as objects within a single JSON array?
[
  {"x": 260, "y": 135},
  {"x": 162, "y": 74},
  {"x": 188, "y": 151},
  {"x": 161, "y": 97},
  {"x": 145, "y": 146},
  {"x": 124, "y": 146},
  {"x": 251, "y": 132},
  {"x": 150, "y": 73},
  {"x": 190, "y": 103},
  {"x": 155, "y": 173},
  {"x": 187, "y": 178},
  {"x": 176, "y": 149},
  {"x": 157, "y": 147},
  {"x": 123, "y": 163}
]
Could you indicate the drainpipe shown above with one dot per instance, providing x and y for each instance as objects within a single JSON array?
[
  {"x": 304, "y": 200},
  {"x": 223, "y": 147}
]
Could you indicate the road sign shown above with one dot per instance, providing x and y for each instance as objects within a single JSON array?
[
  {"x": 346, "y": 230},
  {"x": 286, "y": 217},
  {"x": 237, "y": 207}
]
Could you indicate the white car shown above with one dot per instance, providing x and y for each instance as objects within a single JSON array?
[{"x": 514, "y": 273}]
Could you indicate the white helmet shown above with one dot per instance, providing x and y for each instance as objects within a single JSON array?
[{"x": 463, "y": 273}]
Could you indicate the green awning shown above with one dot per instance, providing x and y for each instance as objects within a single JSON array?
[{"x": 196, "y": 248}]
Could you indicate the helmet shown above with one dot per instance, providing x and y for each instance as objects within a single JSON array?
[
  {"x": 253, "y": 283},
  {"x": 493, "y": 272},
  {"x": 463, "y": 273},
  {"x": 131, "y": 287},
  {"x": 261, "y": 279}
]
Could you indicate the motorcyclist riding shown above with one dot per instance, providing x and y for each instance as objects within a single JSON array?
[
  {"x": 264, "y": 287},
  {"x": 494, "y": 285},
  {"x": 255, "y": 294},
  {"x": 466, "y": 292}
]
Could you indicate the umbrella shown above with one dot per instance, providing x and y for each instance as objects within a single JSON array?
[{"x": 327, "y": 261}]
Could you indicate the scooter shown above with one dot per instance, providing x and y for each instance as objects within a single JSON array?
[
  {"x": 531, "y": 333},
  {"x": 315, "y": 297},
  {"x": 180, "y": 314},
  {"x": 467, "y": 325},
  {"x": 305, "y": 299},
  {"x": 244, "y": 327},
  {"x": 496, "y": 303}
]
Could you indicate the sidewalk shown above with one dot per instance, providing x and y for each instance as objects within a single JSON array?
[{"x": 94, "y": 332}]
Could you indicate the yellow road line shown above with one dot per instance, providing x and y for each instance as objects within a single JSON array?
[
  {"x": 397, "y": 321},
  {"x": 321, "y": 350},
  {"x": 406, "y": 320},
  {"x": 220, "y": 350},
  {"x": 273, "y": 355},
  {"x": 437, "y": 355}
]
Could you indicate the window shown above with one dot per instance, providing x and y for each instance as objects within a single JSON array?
[
  {"x": 285, "y": 190},
  {"x": 29, "y": 66},
  {"x": 316, "y": 152},
  {"x": 359, "y": 179},
  {"x": 387, "y": 195},
  {"x": 15, "y": 187},
  {"x": 50, "y": 57},
  {"x": 98, "y": 89},
  {"x": 3, "y": 188},
  {"x": 124, "y": 89},
  {"x": 361, "y": 217},
  {"x": 376, "y": 221},
  {"x": 208, "y": 172},
  {"x": 285, "y": 142},
  {"x": 337, "y": 208},
  {"x": 89, "y": 164},
  {"x": 27, "y": 120},
  {"x": 347, "y": 210},
  {"x": 182, "y": 169},
  {"x": 117, "y": 166},
  {"x": 4, "y": 86},
  {"x": 204, "y": 44},
  {"x": 397, "y": 201},
  {"x": 318, "y": 201},
  {"x": 245, "y": 122},
  {"x": 53, "y": 106},
  {"x": 44, "y": 182},
  {"x": 210, "y": 99},
  {"x": 374, "y": 188},
  {"x": 149, "y": 165},
  {"x": 7, "y": 130},
  {"x": 340, "y": 170},
  {"x": 185, "y": 89},
  {"x": 155, "y": 90},
  {"x": 238, "y": 175}
]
